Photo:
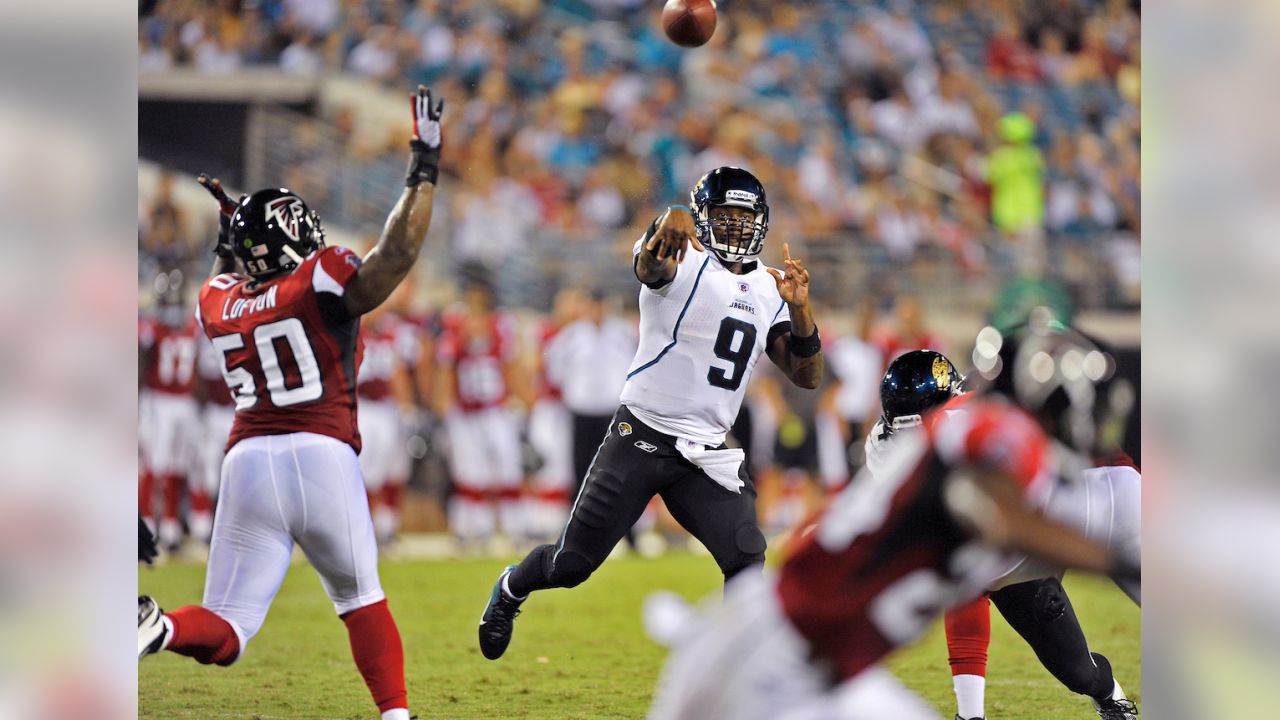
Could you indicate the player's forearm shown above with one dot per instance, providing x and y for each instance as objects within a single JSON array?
[
  {"x": 804, "y": 349},
  {"x": 1058, "y": 544},
  {"x": 397, "y": 250},
  {"x": 222, "y": 264},
  {"x": 649, "y": 268}
]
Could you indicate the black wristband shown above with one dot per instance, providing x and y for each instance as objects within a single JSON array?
[
  {"x": 424, "y": 163},
  {"x": 805, "y": 346}
]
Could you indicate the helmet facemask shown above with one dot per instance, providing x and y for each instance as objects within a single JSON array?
[{"x": 733, "y": 228}]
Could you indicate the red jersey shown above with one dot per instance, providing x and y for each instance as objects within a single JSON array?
[
  {"x": 171, "y": 369},
  {"x": 381, "y": 361},
  {"x": 888, "y": 556},
  {"x": 478, "y": 360},
  {"x": 213, "y": 388},
  {"x": 289, "y": 349}
]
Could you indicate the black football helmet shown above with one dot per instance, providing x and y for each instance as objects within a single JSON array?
[
  {"x": 915, "y": 383},
  {"x": 1059, "y": 375},
  {"x": 272, "y": 230},
  {"x": 733, "y": 240}
]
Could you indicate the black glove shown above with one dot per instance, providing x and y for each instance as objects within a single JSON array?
[
  {"x": 147, "y": 550},
  {"x": 424, "y": 148},
  {"x": 225, "y": 209}
]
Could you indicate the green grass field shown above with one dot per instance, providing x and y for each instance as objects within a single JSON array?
[{"x": 578, "y": 653}]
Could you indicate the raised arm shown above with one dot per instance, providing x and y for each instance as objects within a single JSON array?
[
  {"x": 224, "y": 260},
  {"x": 664, "y": 246},
  {"x": 406, "y": 229},
  {"x": 797, "y": 351}
]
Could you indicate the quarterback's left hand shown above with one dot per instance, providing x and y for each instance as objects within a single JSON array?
[{"x": 793, "y": 286}]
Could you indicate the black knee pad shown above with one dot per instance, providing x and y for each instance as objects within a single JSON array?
[
  {"x": 595, "y": 506},
  {"x": 570, "y": 569},
  {"x": 1050, "y": 601},
  {"x": 750, "y": 545}
]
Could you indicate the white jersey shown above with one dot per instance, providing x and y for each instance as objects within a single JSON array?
[{"x": 700, "y": 337}]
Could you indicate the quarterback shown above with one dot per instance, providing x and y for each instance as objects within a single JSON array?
[{"x": 709, "y": 309}]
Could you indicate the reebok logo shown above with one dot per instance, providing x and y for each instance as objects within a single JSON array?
[{"x": 647, "y": 447}]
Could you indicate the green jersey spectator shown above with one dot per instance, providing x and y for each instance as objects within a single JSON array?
[{"x": 1016, "y": 174}]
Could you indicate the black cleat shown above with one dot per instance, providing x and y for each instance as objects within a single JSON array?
[
  {"x": 152, "y": 631},
  {"x": 972, "y": 718},
  {"x": 496, "y": 622},
  {"x": 1110, "y": 709}
]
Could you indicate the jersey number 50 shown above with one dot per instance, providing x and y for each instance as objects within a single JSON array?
[
  {"x": 732, "y": 329},
  {"x": 241, "y": 381}
]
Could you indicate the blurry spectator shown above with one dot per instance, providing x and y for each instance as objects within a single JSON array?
[
  {"x": 903, "y": 36},
  {"x": 1009, "y": 57},
  {"x": 494, "y": 217},
  {"x": 1056, "y": 66},
  {"x": 375, "y": 58},
  {"x": 302, "y": 57},
  {"x": 600, "y": 205},
  {"x": 947, "y": 111},
  {"x": 153, "y": 57},
  {"x": 164, "y": 232},
  {"x": 215, "y": 55},
  {"x": 898, "y": 225},
  {"x": 314, "y": 16},
  {"x": 897, "y": 119},
  {"x": 1015, "y": 171}
]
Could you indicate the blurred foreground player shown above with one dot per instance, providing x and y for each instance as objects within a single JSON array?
[
  {"x": 289, "y": 332},
  {"x": 888, "y": 555},
  {"x": 706, "y": 317}
]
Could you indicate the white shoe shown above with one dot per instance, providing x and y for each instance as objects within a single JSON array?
[{"x": 152, "y": 632}]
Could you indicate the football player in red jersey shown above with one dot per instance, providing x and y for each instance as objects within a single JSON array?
[
  {"x": 476, "y": 378},
  {"x": 1102, "y": 501},
  {"x": 288, "y": 329},
  {"x": 168, "y": 424},
  {"x": 890, "y": 554},
  {"x": 217, "y": 414},
  {"x": 386, "y": 396}
]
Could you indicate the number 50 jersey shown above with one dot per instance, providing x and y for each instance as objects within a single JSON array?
[
  {"x": 700, "y": 336},
  {"x": 288, "y": 349}
]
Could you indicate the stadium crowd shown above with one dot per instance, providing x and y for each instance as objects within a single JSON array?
[
  {"x": 867, "y": 126},
  {"x": 1008, "y": 149}
]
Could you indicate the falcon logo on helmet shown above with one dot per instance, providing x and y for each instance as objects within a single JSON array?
[
  {"x": 272, "y": 231},
  {"x": 286, "y": 212}
]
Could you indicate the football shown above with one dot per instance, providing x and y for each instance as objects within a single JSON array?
[{"x": 689, "y": 23}]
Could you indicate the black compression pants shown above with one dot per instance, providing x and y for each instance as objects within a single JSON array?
[{"x": 635, "y": 463}]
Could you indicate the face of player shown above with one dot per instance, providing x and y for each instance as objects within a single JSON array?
[{"x": 733, "y": 226}]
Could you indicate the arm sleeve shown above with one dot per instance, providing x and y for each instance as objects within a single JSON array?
[
  {"x": 777, "y": 330},
  {"x": 333, "y": 270},
  {"x": 1001, "y": 438}
]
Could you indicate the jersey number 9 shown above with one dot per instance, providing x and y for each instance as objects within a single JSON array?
[{"x": 732, "y": 329}]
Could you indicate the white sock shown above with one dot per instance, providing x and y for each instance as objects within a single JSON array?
[
  {"x": 970, "y": 695},
  {"x": 507, "y": 588},
  {"x": 396, "y": 714},
  {"x": 1118, "y": 693}
]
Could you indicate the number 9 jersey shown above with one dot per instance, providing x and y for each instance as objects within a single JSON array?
[
  {"x": 700, "y": 336},
  {"x": 288, "y": 349}
]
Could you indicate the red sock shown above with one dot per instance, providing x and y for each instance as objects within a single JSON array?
[
  {"x": 172, "y": 496},
  {"x": 391, "y": 494},
  {"x": 375, "y": 645},
  {"x": 146, "y": 496},
  {"x": 201, "y": 634},
  {"x": 968, "y": 635},
  {"x": 200, "y": 502}
]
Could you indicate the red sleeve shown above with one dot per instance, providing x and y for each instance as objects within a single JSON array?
[
  {"x": 333, "y": 270},
  {"x": 994, "y": 435}
]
